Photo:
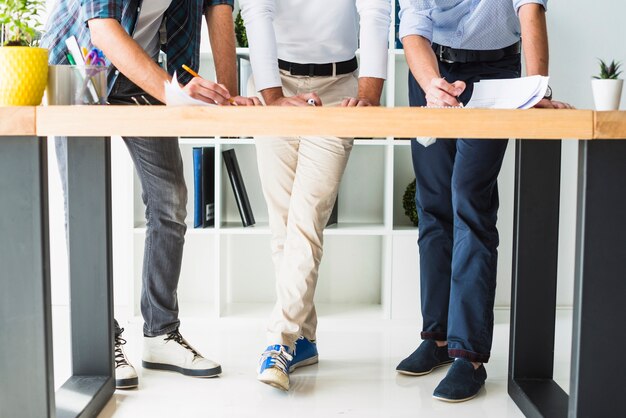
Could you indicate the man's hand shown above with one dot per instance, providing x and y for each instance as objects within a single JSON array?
[
  {"x": 553, "y": 104},
  {"x": 441, "y": 93},
  {"x": 245, "y": 101},
  {"x": 207, "y": 91},
  {"x": 298, "y": 100},
  {"x": 356, "y": 102}
]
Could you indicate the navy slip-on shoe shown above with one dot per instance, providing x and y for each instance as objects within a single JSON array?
[
  {"x": 462, "y": 382},
  {"x": 425, "y": 359}
]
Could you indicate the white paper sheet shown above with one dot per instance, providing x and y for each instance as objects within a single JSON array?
[
  {"x": 176, "y": 96},
  {"x": 515, "y": 93}
]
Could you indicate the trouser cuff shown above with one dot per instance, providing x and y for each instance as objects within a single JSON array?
[
  {"x": 166, "y": 330},
  {"x": 437, "y": 336},
  {"x": 468, "y": 355}
]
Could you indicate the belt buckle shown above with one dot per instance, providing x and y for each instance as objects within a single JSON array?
[{"x": 441, "y": 58}]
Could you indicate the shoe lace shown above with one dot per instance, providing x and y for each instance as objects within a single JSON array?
[
  {"x": 120, "y": 358},
  {"x": 177, "y": 337},
  {"x": 278, "y": 358}
]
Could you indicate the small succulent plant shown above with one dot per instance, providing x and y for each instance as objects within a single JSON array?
[{"x": 609, "y": 72}]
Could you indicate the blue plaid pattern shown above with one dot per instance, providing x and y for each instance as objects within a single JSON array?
[{"x": 183, "y": 25}]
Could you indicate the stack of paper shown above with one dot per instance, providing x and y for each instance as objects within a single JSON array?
[
  {"x": 176, "y": 96},
  {"x": 514, "y": 93}
]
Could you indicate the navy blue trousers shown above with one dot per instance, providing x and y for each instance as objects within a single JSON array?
[{"x": 457, "y": 203}]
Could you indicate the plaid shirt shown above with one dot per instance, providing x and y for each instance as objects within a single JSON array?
[{"x": 183, "y": 22}]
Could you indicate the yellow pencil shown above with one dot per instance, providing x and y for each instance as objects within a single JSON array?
[{"x": 195, "y": 74}]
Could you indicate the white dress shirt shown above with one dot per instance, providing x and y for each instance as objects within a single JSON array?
[{"x": 315, "y": 32}]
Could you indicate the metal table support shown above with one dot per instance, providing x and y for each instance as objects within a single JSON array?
[
  {"x": 26, "y": 368},
  {"x": 598, "y": 375},
  {"x": 25, "y": 313}
]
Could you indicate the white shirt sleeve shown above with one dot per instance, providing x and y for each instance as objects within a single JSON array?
[
  {"x": 258, "y": 16},
  {"x": 519, "y": 3},
  {"x": 415, "y": 18},
  {"x": 375, "y": 19}
]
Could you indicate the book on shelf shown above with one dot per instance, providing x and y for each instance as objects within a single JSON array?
[
  {"x": 204, "y": 186},
  {"x": 239, "y": 188}
]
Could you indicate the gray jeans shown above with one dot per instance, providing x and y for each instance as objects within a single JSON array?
[{"x": 160, "y": 169}]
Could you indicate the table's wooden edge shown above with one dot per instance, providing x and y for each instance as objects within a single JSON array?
[
  {"x": 18, "y": 121},
  {"x": 350, "y": 122},
  {"x": 30, "y": 120},
  {"x": 609, "y": 125}
]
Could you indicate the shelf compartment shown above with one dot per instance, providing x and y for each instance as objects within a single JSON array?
[
  {"x": 350, "y": 273},
  {"x": 402, "y": 175}
]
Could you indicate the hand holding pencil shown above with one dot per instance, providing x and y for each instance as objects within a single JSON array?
[
  {"x": 206, "y": 90},
  {"x": 234, "y": 101}
]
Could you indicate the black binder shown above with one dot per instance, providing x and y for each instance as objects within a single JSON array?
[
  {"x": 239, "y": 188},
  {"x": 208, "y": 186}
]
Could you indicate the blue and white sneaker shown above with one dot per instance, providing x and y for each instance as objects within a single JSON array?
[
  {"x": 305, "y": 354},
  {"x": 274, "y": 366}
]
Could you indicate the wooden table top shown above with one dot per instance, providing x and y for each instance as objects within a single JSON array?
[{"x": 377, "y": 122}]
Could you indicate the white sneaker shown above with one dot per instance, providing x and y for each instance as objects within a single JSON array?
[
  {"x": 171, "y": 352},
  {"x": 125, "y": 374}
]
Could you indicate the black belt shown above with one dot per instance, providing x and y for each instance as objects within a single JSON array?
[
  {"x": 319, "y": 70},
  {"x": 450, "y": 55}
]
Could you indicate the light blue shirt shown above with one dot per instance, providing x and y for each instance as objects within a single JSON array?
[{"x": 464, "y": 24}]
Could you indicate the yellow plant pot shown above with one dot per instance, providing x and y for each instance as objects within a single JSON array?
[{"x": 23, "y": 75}]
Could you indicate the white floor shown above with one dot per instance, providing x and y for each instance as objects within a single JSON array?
[{"x": 355, "y": 377}]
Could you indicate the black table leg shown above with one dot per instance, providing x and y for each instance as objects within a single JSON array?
[
  {"x": 89, "y": 228},
  {"x": 598, "y": 377},
  {"x": 26, "y": 369},
  {"x": 533, "y": 300}
]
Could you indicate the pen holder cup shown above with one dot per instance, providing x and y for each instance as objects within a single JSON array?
[{"x": 77, "y": 85}]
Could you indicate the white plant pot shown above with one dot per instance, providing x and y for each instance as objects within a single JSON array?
[{"x": 607, "y": 93}]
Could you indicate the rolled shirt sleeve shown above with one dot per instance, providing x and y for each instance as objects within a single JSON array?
[
  {"x": 375, "y": 19},
  {"x": 519, "y": 3},
  {"x": 416, "y": 19},
  {"x": 102, "y": 10},
  {"x": 209, "y": 3},
  {"x": 258, "y": 16}
]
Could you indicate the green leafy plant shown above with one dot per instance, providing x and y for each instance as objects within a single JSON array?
[
  {"x": 20, "y": 22},
  {"x": 240, "y": 31},
  {"x": 408, "y": 203},
  {"x": 609, "y": 72}
]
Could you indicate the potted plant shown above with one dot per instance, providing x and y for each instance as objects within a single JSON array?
[
  {"x": 408, "y": 203},
  {"x": 23, "y": 66},
  {"x": 607, "y": 88},
  {"x": 240, "y": 31}
]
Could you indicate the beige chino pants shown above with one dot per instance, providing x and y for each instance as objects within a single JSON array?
[{"x": 300, "y": 177}]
